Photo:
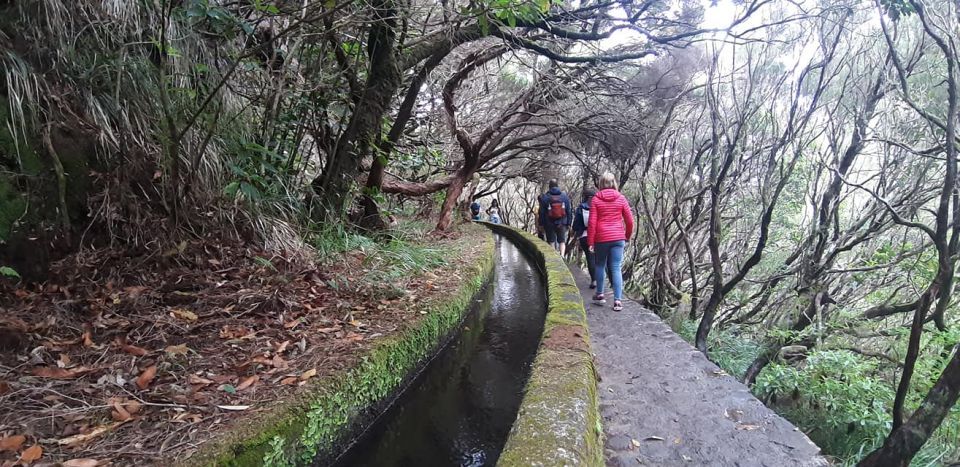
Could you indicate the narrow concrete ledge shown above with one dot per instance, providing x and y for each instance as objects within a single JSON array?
[
  {"x": 559, "y": 419},
  {"x": 321, "y": 419}
]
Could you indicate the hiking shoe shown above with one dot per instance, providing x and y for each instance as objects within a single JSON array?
[
  {"x": 617, "y": 305},
  {"x": 593, "y": 284},
  {"x": 598, "y": 299}
]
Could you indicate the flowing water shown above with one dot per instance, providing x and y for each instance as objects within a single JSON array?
[{"x": 459, "y": 410}]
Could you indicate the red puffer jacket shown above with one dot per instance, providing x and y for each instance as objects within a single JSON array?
[{"x": 609, "y": 211}]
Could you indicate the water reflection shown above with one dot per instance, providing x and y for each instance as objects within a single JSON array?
[{"x": 459, "y": 412}]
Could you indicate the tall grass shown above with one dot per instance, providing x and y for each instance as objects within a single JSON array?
[{"x": 389, "y": 260}]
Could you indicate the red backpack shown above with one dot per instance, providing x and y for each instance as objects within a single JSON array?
[{"x": 557, "y": 209}]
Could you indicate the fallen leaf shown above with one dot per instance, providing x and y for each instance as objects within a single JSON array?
[
  {"x": 133, "y": 407},
  {"x": 133, "y": 350},
  {"x": 175, "y": 350},
  {"x": 247, "y": 382},
  {"x": 329, "y": 330},
  {"x": 31, "y": 454},
  {"x": 81, "y": 463},
  {"x": 82, "y": 438},
  {"x": 12, "y": 443},
  {"x": 234, "y": 332},
  {"x": 233, "y": 407},
  {"x": 308, "y": 374},
  {"x": 186, "y": 416},
  {"x": 134, "y": 291},
  {"x": 146, "y": 377},
  {"x": 4, "y": 387},
  {"x": 87, "y": 335},
  {"x": 278, "y": 362},
  {"x": 119, "y": 414},
  {"x": 60, "y": 373},
  {"x": 747, "y": 426},
  {"x": 635, "y": 443},
  {"x": 194, "y": 379},
  {"x": 282, "y": 347},
  {"x": 227, "y": 388},
  {"x": 291, "y": 324},
  {"x": 63, "y": 361},
  {"x": 357, "y": 324},
  {"x": 653, "y": 438},
  {"x": 354, "y": 337},
  {"x": 184, "y": 314},
  {"x": 289, "y": 381}
]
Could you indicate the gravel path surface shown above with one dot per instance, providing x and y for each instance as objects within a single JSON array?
[{"x": 664, "y": 404}]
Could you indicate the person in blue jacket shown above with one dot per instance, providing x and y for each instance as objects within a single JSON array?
[
  {"x": 555, "y": 216},
  {"x": 475, "y": 209}
]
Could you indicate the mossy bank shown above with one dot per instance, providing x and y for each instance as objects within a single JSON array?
[
  {"x": 317, "y": 423},
  {"x": 559, "y": 418}
]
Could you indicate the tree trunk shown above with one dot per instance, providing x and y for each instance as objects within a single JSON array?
[
  {"x": 383, "y": 80},
  {"x": 453, "y": 193},
  {"x": 904, "y": 442}
]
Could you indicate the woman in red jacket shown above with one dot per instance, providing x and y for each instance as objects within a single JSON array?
[{"x": 609, "y": 227}]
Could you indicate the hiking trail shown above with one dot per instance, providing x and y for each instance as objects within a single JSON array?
[{"x": 663, "y": 403}]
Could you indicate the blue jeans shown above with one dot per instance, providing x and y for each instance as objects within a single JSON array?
[{"x": 609, "y": 254}]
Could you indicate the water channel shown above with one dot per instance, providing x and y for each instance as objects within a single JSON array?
[{"x": 460, "y": 408}]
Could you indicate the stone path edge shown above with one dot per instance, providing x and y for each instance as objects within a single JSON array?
[
  {"x": 559, "y": 418},
  {"x": 321, "y": 419}
]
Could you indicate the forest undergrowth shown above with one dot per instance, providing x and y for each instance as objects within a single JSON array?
[{"x": 140, "y": 358}]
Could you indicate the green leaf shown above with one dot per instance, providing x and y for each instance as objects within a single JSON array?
[
  {"x": 249, "y": 191},
  {"x": 7, "y": 271},
  {"x": 228, "y": 388},
  {"x": 231, "y": 188},
  {"x": 484, "y": 24}
]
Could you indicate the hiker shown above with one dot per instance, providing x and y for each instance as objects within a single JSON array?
[
  {"x": 493, "y": 212},
  {"x": 555, "y": 216},
  {"x": 475, "y": 209},
  {"x": 580, "y": 220},
  {"x": 609, "y": 227}
]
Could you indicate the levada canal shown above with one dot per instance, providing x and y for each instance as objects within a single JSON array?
[{"x": 459, "y": 410}]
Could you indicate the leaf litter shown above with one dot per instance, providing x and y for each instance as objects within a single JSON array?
[{"x": 129, "y": 360}]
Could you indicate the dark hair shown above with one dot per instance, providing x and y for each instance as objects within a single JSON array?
[
  {"x": 588, "y": 194},
  {"x": 554, "y": 183},
  {"x": 494, "y": 203}
]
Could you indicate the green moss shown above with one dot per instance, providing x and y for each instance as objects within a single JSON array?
[{"x": 300, "y": 430}]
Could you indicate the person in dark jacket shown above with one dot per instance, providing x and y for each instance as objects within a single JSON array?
[
  {"x": 580, "y": 219},
  {"x": 475, "y": 209},
  {"x": 555, "y": 216}
]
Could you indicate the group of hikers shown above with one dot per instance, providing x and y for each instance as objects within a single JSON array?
[
  {"x": 493, "y": 212},
  {"x": 602, "y": 224}
]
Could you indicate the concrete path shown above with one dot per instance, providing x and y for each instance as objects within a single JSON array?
[{"x": 663, "y": 403}]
